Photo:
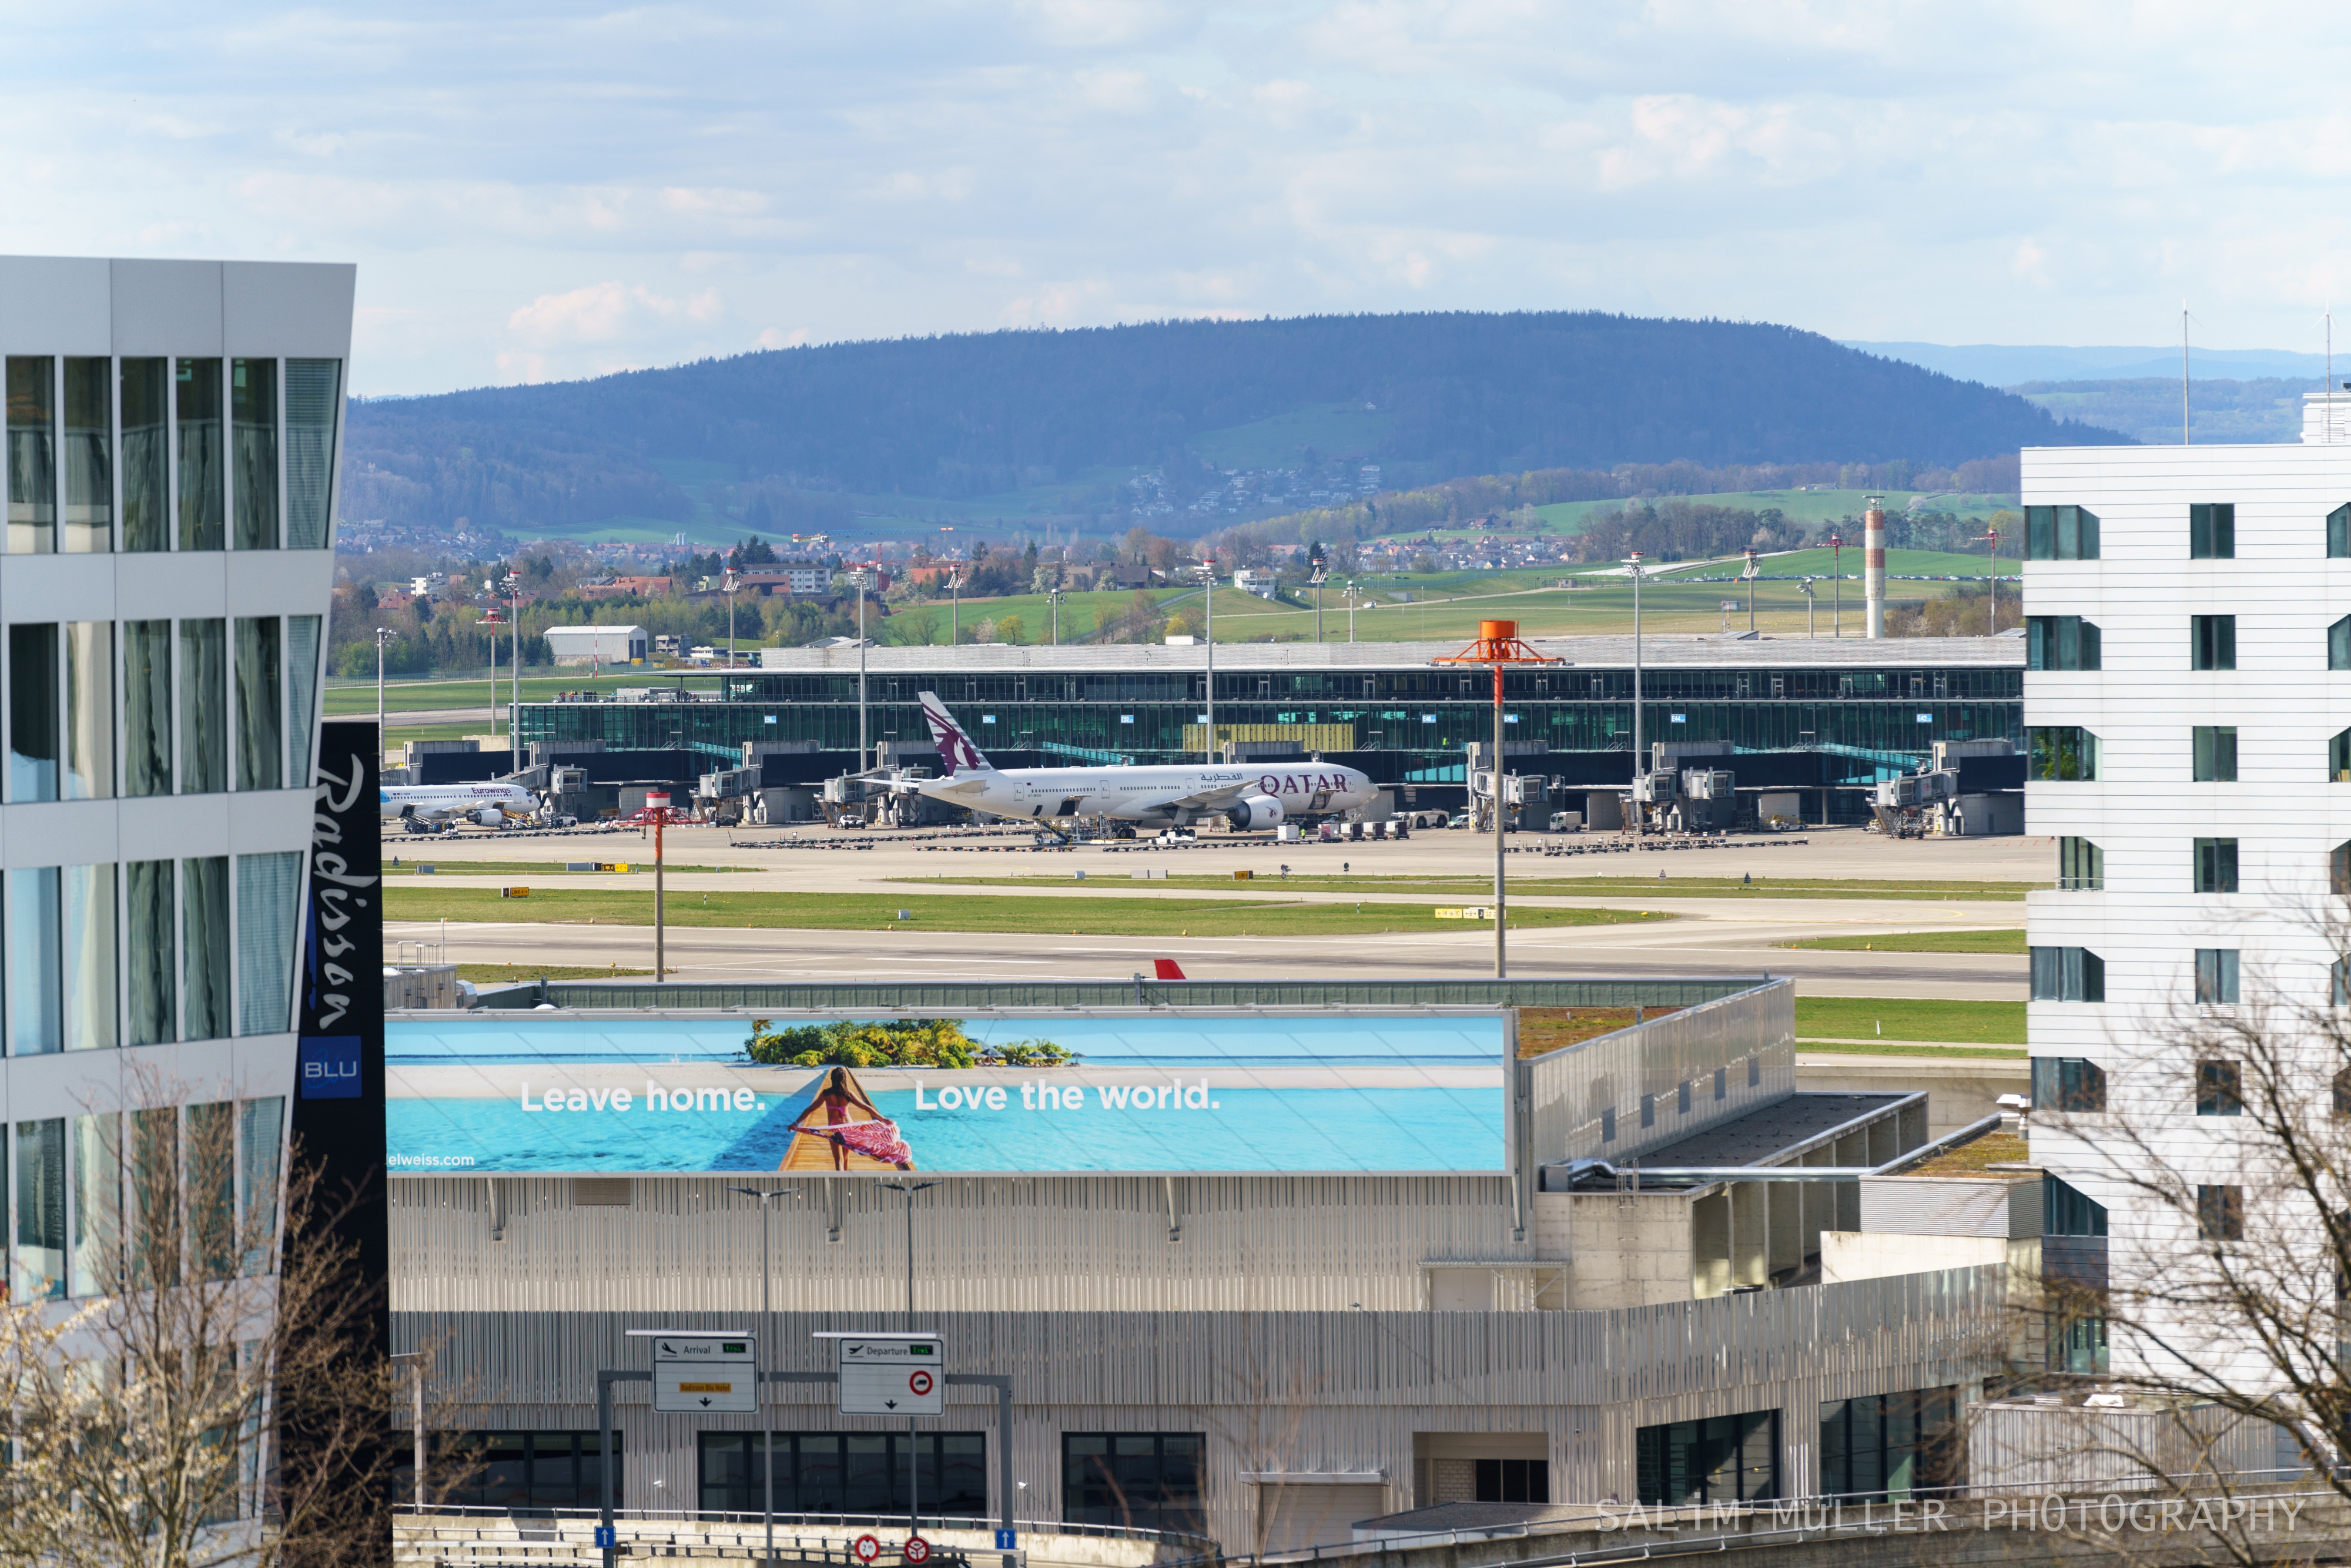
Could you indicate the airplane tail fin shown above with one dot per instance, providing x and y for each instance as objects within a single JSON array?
[
  {"x": 1167, "y": 969},
  {"x": 955, "y": 748}
]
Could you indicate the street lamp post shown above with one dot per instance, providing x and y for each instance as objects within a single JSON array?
[
  {"x": 729, "y": 583},
  {"x": 1351, "y": 610},
  {"x": 1812, "y": 602},
  {"x": 1753, "y": 566},
  {"x": 1053, "y": 597},
  {"x": 384, "y": 635},
  {"x": 767, "y": 1343},
  {"x": 1837, "y": 582},
  {"x": 954, "y": 586},
  {"x": 914, "y": 1500},
  {"x": 1632, "y": 571},
  {"x": 514, "y": 673},
  {"x": 857, "y": 578}
]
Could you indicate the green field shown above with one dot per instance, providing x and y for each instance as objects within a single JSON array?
[
  {"x": 1558, "y": 886},
  {"x": 1866, "y": 1047},
  {"x": 1920, "y": 941},
  {"x": 878, "y": 912},
  {"x": 408, "y": 866},
  {"x": 1798, "y": 506},
  {"x": 1909, "y": 1019},
  {"x": 409, "y": 695},
  {"x": 1333, "y": 430},
  {"x": 516, "y": 974}
]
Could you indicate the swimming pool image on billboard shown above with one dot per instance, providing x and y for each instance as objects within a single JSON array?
[{"x": 1146, "y": 1094}]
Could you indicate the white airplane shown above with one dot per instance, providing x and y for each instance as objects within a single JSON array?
[
  {"x": 429, "y": 807},
  {"x": 1249, "y": 797}
]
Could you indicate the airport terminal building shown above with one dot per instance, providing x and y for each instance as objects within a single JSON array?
[
  {"x": 1259, "y": 1262},
  {"x": 1833, "y": 717}
]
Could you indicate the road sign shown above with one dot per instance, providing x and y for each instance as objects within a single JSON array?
[
  {"x": 867, "y": 1548},
  {"x": 1006, "y": 1540},
  {"x": 916, "y": 1550},
  {"x": 896, "y": 1376},
  {"x": 607, "y": 1535},
  {"x": 705, "y": 1376}
]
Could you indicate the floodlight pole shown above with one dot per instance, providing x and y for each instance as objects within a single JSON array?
[
  {"x": 914, "y": 1471},
  {"x": 1632, "y": 569},
  {"x": 863, "y": 759},
  {"x": 1498, "y": 645},
  {"x": 514, "y": 675},
  {"x": 1210, "y": 595},
  {"x": 1502, "y": 952},
  {"x": 1837, "y": 585},
  {"x": 767, "y": 1414},
  {"x": 384, "y": 635}
]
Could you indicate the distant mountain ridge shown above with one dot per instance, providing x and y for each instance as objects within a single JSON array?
[
  {"x": 1426, "y": 396},
  {"x": 2006, "y": 365}
]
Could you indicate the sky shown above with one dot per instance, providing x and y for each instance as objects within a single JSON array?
[{"x": 535, "y": 193}]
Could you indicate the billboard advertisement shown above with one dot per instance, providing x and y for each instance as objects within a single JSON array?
[{"x": 1144, "y": 1094}]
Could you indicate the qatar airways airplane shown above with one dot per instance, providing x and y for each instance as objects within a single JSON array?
[
  {"x": 428, "y": 807},
  {"x": 1249, "y": 797}
]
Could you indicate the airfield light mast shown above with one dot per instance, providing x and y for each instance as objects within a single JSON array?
[{"x": 1498, "y": 646}]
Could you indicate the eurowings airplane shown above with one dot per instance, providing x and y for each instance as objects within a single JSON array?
[
  {"x": 428, "y": 807},
  {"x": 1247, "y": 796}
]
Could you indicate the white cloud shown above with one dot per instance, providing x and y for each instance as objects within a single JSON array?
[{"x": 533, "y": 192}]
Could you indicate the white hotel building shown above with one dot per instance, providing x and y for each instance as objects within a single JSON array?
[
  {"x": 2189, "y": 712},
  {"x": 172, "y": 434}
]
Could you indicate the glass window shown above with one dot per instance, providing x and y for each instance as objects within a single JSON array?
[
  {"x": 2221, "y": 1213},
  {"x": 2213, "y": 530},
  {"x": 253, "y": 415},
  {"x": 2338, "y": 533},
  {"x": 155, "y": 1195},
  {"x": 2216, "y": 974},
  {"x": 2068, "y": 1083},
  {"x": 2060, "y": 533},
  {"x": 90, "y": 710},
  {"x": 90, "y": 1012},
  {"x": 203, "y": 947},
  {"x": 813, "y": 1471},
  {"x": 39, "y": 1255},
  {"x": 204, "y": 706},
  {"x": 36, "y": 1021},
  {"x": 210, "y": 1162},
  {"x": 146, "y": 454},
  {"x": 32, "y": 456},
  {"x": 154, "y": 982},
  {"x": 1512, "y": 1480},
  {"x": 2068, "y": 1211},
  {"x": 89, "y": 458},
  {"x": 260, "y": 705},
  {"x": 1722, "y": 1459},
  {"x": 2216, "y": 865},
  {"x": 2219, "y": 1089},
  {"x": 1648, "y": 1110},
  {"x": 260, "y": 1142},
  {"x": 2215, "y": 748},
  {"x": 2338, "y": 870},
  {"x": 33, "y": 712},
  {"x": 268, "y": 900},
  {"x": 147, "y": 707},
  {"x": 1886, "y": 1446},
  {"x": 2067, "y": 974},
  {"x": 1144, "y": 1480},
  {"x": 302, "y": 688},
  {"x": 97, "y": 1204},
  {"x": 204, "y": 500},
  {"x": 2061, "y": 753},
  {"x": 2339, "y": 644},
  {"x": 2081, "y": 865},
  {"x": 2061, "y": 642},
  {"x": 314, "y": 398},
  {"x": 2212, "y": 642},
  {"x": 529, "y": 1469}
]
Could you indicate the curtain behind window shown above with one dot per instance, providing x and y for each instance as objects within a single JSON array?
[{"x": 268, "y": 896}]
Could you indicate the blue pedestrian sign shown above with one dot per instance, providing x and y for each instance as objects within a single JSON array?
[
  {"x": 1004, "y": 1540},
  {"x": 607, "y": 1536}
]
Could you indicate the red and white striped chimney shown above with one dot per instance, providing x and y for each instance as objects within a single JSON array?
[{"x": 1872, "y": 564}]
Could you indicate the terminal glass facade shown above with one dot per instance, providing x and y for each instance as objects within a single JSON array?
[
  {"x": 853, "y": 1473},
  {"x": 1425, "y": 714}
]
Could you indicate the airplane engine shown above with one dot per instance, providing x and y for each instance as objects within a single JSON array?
[
  {"x": 1255, "y": 812},
  {"x": 490, "y": 816}
]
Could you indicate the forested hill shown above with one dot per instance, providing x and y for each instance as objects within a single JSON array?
[{"x": 1426, "y": 396}]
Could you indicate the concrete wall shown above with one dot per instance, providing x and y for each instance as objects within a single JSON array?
[
  {"x": 1874, "y": 1255},
  {"x": 1959, "y": 1090}
]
